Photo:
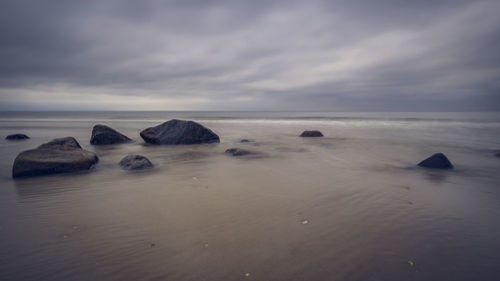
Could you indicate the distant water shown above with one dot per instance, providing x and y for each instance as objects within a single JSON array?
[{"x": 349, "y": 206}]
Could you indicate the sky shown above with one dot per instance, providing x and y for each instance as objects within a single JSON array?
[{"x": 384, "y": 55}]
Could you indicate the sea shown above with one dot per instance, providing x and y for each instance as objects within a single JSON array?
[{"x": 352, "y": 205}]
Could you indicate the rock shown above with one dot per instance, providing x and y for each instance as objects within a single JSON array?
[
  {"x": 67, "y": 143},
  {"x": 242, "y": 152},
  {"x": 497, "y": 154},
  {"x": 17, "y": 137},
  {"x": 436, "y": 161},
  {"x": 311, "y": 134},
  {"x": 57, "y": 156},
  {"x": 179, "y": 132},
  {"x": 249, "y": 142},
  {"x": 102, "y": 134},
  {"x": 135, "y": 162}
]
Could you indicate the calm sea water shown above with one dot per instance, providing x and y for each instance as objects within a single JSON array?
[{"x": 349, "y": 206}]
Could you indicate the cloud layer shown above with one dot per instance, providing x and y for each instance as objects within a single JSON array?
[{"x": 250, "y": 55}]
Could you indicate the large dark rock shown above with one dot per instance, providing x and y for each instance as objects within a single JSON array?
[
  {"x": 311, "y": 134},
  {"x": 61, "y": 155},
  {"x": 242, "y": 152},
  {"x": 102, "y": 134},
  {"x": 436, "y": 161},
  {"x": 179, "y": 132},
  {"x": 135, "y": 162},
  {"x": 17, "y": 137},
  {"x": 497, "y": 154}
]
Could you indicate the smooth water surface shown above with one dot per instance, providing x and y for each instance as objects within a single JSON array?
[{"x": 349, "y": 206}]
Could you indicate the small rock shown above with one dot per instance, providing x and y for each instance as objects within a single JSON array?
[
  {"x": 249, "y": 142},
  {"x": 497, "y": 154},
  {"x": 17, "y": 137},
  {"x": 135, "y": 162},
  {"x": 102, "y": 134},
  {"x": 311, "y": 134},
  {"x": 242, "y": 152},
  {"x": 436, "y": 161}
]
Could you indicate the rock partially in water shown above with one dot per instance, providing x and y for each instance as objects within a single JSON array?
[
  {"x": 17, "y": 137},
  {"x": 242, "y": 152},
  {"x": 61, "y": 155},
  {"x": 436, "y": 161},
  {"x": 135, "y": 162},
  {"x": 67, "y": 143},
  {"x": 249, "y": 142},
  {"x": 311, "y": 134},
  {"x": 102, "y": 134},
  {"x": 175, "y": 132}
]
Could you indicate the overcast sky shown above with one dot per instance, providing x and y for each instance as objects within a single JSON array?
[{"x": 383, "y": 55}]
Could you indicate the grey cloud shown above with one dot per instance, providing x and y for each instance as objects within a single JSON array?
[{"x": 315, "y": 55}]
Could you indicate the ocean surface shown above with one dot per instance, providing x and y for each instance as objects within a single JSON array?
[{"x": 352, "y": 205}]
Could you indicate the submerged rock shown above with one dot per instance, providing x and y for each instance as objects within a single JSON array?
[
  {"x": 61, "y": 155},
  {"x": 179, "y": 132},
  {"x": 242, "y": 152},
  {"x": 190, "y": 155},
  {"x": 436, "y": 161},
  {"x": 17, "y": 137},
  {"x": 311, "y": 134},
  {"x": 102, "y": 134},
  {"x": 135, "y": 162},
  {"x": 249, "y": 142}
]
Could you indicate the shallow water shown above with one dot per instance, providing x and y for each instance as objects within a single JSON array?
[{"x": 349, "y": 206}]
